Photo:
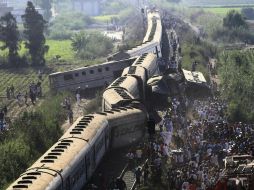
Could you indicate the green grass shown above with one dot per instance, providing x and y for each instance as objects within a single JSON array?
[
  {"x": 222, "y": 10},
  {"x": 62, "y": 48},
  {"x": 56, "y": 47},
  {"x": 104, "y": 18}
]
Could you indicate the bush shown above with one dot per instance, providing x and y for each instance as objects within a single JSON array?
[
  {"x": 248, "y": 13},
  {"x": 31, "y": 135},
  {"x": 95, "y": 104},
  {"x": 91, "y": 45},
  {"x": 63, "y": 25},
  {"x": 236, "y": 78},
  {"x": 233, "y": 35}
]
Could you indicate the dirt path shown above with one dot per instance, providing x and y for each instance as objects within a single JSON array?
[{"x": 78, "y": 111}]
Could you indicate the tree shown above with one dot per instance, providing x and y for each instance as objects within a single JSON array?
[
  {"x": 79, "y": 41},
  {"x": 89, "y": 45},
  {"x": 248, "y": 13},
  {"x": 10, "y": 36},
  {"x": 234, "y": 20},
  {"x": 46, "y": 5},
  {"x": 34, "y": 26}
]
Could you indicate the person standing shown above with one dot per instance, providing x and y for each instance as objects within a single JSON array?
[
  {"x": 8, "y": 94},
  {"x": 5, "y": 110},
  {"x": 138, "y": 174},
  {"x": 12, "y": 91},
  {"x": 120, "y": 184},
  {"x": 70, "y": 116},
  {"x": 26, "y": 97},
  {"x": 78, "y": 95}
]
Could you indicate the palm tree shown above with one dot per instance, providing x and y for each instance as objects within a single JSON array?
[{"x": 79, "y": 41}]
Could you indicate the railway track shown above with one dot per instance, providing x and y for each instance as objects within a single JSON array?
[{"x": 113, "y": 165}]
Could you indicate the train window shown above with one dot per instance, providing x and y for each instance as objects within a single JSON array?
[
  {"x": 91, "y": 71},
  {"x": 68, "y": 77},
  {"x": 107, "y": 68},
  {"x": 83, "y": 73},
  {"x": 99, "y": 70},
  {"x": 76, "y": 74}
]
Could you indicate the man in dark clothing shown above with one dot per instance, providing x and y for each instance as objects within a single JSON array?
[
  {"x": 146, "y": 174},
  {"x": 70, "y": 116},
  {"x": 1, "y": 115},
  {"x": 1, "y": 119},
  {"x": 12, "y": 91},
  {"x": 138, "y": 174},
  {"x": 5, "y": 110},
  {"x": 120, "y": 184}
]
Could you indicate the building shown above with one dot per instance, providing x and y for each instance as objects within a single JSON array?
[
  {"x": 17, "y": 13},
  {"x": 4, "y": 8},
  {"x": 88, "y": 7}
]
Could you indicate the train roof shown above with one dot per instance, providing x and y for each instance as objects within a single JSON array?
[
  {"x": 145, "y": 60},
  {"x": 120, "y": 113},
  {"x": 125, "y": 82},
  {"x": 194, "y": 77},
  {"x": 135, "y": 70},
  {"x": 135, "y": 51},
  {"x": 86, "y": 127},
  {"x": 95, "y": 66},
  {"x": 115, "y": 96},
  {"x": 153, "y": 19},
  {"x": 61, "y": 155}
]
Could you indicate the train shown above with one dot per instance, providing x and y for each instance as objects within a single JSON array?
[
  {"x": 90, "y": 77},
  {"x": 132, "y": 85},
  {"x": 70, "y": 162},
  {"x": 151, "y": 42},
  {"x": 97, "y": 76}
]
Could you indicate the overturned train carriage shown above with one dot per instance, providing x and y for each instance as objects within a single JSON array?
[
  {"x": 90, "y": 77},
  {"x": 69, "y": 163}
]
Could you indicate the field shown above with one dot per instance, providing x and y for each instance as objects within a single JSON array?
[
  {"x": 221, "y": 10},
  {"x": 104, "y": 18},
  {"x": 22, "y": 77},
  {"x": 57, "y": 47}
]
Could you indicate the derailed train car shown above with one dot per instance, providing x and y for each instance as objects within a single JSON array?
[
  {"x": 69, "y": 163},
  {"x": 95, "y": 76},
  {"x": 132, "y": 85}
]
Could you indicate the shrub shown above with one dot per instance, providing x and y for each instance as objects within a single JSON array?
[
  {"x": 31, "y": 135},
  {"x": 91, "y": 45},
  {"x": 63, "y": 25}
]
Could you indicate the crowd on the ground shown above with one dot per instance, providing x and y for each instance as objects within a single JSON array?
[
  {"x": 190, "y": 152},
  {"x": 33, "y": 92}
]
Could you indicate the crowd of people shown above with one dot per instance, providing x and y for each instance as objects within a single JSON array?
[
  {"x": 190, "y": 153},
  {"x": 34, "y": 92},
  {"x": 203, "y": 144}
]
